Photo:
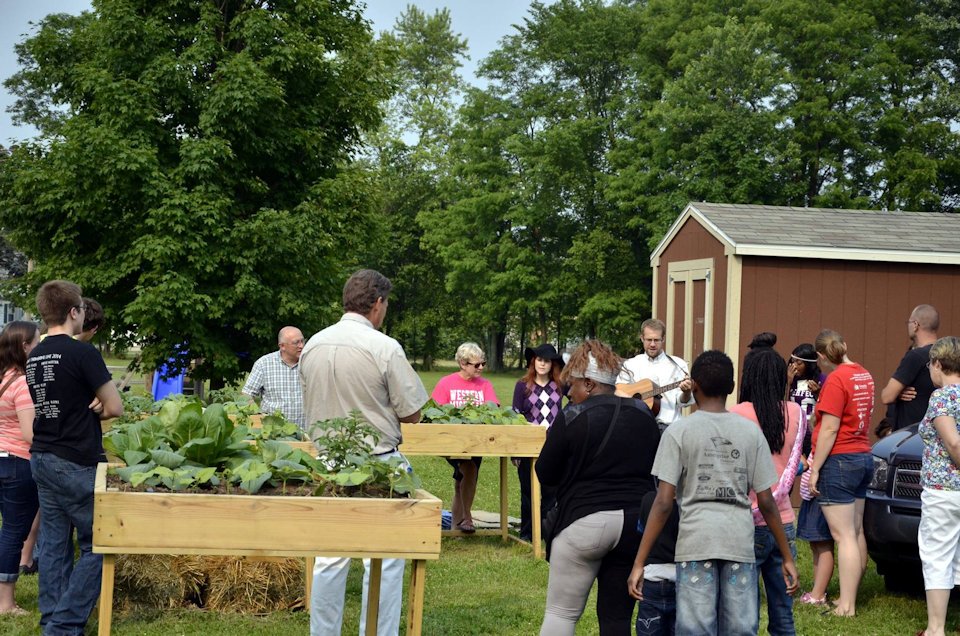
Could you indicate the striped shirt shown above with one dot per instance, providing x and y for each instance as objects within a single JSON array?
[
  {"x": 278, "y": 386},
  {"x": 16, "y": 398}
]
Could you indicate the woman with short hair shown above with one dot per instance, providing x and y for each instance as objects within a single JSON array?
[
  {"x": 18, "y": 491},
  {"x": 466, "y": 386},
  {"x": 939, "y": 535},
  {"x": 598, "y": 454},
  {"x": 842, "y": 464}
]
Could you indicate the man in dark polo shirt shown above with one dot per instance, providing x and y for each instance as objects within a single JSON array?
[
  {"x": 910, "y": 387},
  {"x": 72, "y": 391}
]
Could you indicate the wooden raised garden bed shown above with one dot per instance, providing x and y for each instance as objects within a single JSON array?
[
  {"x": 268, "y": 526},
  {"x": 484, "y": 440}
]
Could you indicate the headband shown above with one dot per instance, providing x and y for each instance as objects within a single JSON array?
[
  {"x": 594, "y": 373},
  {"x": 793, "y": 357}
]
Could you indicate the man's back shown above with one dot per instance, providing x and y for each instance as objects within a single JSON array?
[
  {"x": 714, "y": 460},
  {"x": 350, "y": 365},
  {"x": 913, "y": 371},
  {"x": 63, "y": 375}
]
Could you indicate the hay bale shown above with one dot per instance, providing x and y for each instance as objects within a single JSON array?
[
  {"x": 253, "y": 586},
  {"x": 157, "y": 581}
]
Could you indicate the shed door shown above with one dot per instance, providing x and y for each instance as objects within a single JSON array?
[{"x": 690, "y": 307}]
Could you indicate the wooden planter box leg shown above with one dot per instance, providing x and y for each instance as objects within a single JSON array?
[
  {"x": 308, "y": 582},
  {"x": 535, "y": 510},
  {"x": 373, "y": 596},
  {"x": 418, "y": 578},
  {"x": 504, "y": 529},
  {"x": 106, "y": 594}
]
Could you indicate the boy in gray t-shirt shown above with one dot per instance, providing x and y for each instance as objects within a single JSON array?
[{"x": 709, "y": 462}]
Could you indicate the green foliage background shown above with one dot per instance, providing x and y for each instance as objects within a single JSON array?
[{"x": 212, "y": 172}]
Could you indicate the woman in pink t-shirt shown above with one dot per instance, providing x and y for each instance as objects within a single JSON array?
[
  {"x": 18, "y": 492},
  {"x": 466, "y": 386},
  {"x": 762, "y": 387}
]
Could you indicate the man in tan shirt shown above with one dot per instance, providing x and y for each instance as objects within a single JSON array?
[{"x": 352, "y": 365}]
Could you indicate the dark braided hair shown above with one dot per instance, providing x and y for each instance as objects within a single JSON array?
[{"x": 762, "y": 384}]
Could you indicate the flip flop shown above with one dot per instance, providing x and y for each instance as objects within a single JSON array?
[
  {"x": 467, "y": 527},
  {"x": 16, "y": 610}
]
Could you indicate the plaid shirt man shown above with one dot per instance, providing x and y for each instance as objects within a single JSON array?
[{"x": 278, "y": 386}]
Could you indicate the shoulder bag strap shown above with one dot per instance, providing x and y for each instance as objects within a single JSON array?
[
  {"x": 613, "y": 423},
  {"x": 9, "y": 382}
]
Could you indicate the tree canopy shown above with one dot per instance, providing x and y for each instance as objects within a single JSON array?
[
  {"x": 212, "y": 172},
  {"x": 194, "y": 172}
]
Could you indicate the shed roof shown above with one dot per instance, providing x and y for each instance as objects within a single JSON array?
[{"x": 872, "y": 235}]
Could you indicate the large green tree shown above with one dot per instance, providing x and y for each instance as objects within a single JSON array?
[
  {"x": 193, "y": 170},
  {"x": 411, "y": 161}
]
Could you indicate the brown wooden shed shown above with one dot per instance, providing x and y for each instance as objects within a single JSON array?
[{"x": 725, "y": 272}]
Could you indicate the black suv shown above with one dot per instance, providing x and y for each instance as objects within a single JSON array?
[{"x": 891, "y": 517}]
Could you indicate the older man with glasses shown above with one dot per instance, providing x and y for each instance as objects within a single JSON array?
[{"x": 275, "y": 378}]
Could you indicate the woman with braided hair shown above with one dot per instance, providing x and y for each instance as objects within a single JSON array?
[
  {"x": 598, "y": 455},
  {"x": 783, "y": 424}
]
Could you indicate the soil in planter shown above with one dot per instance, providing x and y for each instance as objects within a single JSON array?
[{"x": 292, "y": 489}]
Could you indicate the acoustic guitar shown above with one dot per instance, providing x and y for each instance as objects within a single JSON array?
[{"x": 648, "y": 391}]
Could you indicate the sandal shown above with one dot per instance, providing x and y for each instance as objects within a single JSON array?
[
  {"x": 16, "y": 610},
  {"x": 809, "y": 599},
  {"x": 467, "y": 527},
  {"x": 29, "y": 569}
]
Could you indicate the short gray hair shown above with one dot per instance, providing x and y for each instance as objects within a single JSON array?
[{"x": 469, "y": 351}]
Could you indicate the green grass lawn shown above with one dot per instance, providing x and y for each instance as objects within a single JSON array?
[{"x": 481, "y": 585}]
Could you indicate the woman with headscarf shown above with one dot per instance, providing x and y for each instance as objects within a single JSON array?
[
  {"x": 804, "y": 380},
  {"x": 598, "y": 455},
  {"x": 537, "y": 397}
]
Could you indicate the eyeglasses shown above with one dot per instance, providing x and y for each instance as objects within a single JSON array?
[
  {"x": 81, "y": 307},
  {"x": 913, "y": 322},
  {"x": 477, "y": 365},
  {"x": 295, "y": 343}
]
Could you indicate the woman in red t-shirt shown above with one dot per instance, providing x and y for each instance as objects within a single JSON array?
[{"x": 842, "y": 465}]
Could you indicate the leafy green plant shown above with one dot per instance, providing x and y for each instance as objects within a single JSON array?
[
  {"x": 276, "y": 426},
  {"x": 487, "y": 413},
  {"x": 346, "y": 451}
]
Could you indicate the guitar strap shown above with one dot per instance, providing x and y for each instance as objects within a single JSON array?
[{"x": 670, "y": 358}]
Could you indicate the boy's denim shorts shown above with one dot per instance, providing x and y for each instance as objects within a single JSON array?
[{"x": 844, "y": 478}]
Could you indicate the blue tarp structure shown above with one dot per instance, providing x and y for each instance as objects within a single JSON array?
[{"x": 164, "y": 386}]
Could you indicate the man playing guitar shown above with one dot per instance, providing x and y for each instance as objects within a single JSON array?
[{"x": 668, "y": 374}]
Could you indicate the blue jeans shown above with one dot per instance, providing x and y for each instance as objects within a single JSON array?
[
  {"x": 68, "y": 591},
  {"x": 657, "y": 613},
  {"x": 717, "y": 598},
  {"x": 769, "y": 562},
  {"x": 18, "y": 507}
]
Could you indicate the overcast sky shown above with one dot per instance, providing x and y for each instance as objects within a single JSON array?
[{"x": 482, "y": 22}]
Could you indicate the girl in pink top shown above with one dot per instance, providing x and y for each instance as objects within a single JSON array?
[
  {"x": 18, "y": 492},
  {"x": 762, "y": 388},
  {"x": 462, "y": 388}
]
